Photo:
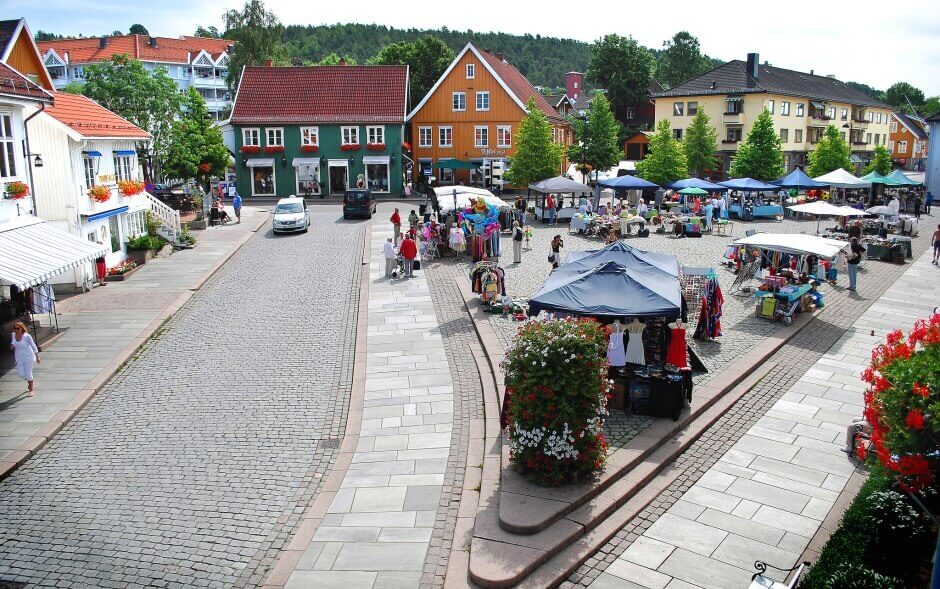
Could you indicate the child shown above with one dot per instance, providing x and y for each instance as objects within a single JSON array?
[{"x": 528, "y": 236}]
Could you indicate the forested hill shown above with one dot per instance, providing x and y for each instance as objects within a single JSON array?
[{"x": 544, "y": 60}]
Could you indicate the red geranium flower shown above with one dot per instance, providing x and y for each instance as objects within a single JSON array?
[
  {"x": 921, "y": 390},
  {"x": 915, "y": 419}
]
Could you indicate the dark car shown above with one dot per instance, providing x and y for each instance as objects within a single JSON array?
[{"x": 358, "y": 202}]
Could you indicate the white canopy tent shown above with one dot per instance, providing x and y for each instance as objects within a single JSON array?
[
  {"x": 794, "y": 243},
  {"x": 32, "y": 251},
  {"x": 448, "y": 196},
  {"x": 839, "y": 178},
  {"x": 822, "y": 208}
]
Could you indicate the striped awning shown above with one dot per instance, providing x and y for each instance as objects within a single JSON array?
[{"x": 32, "y": 252}]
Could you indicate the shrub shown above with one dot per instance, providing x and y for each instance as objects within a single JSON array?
[
  {"x": 146, "y": 242},
  {"x": 859, "y": 577},
  {"x": 556, "y": 381},
  {"x": 186, "y": 236}
]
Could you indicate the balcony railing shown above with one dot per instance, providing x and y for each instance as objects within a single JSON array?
[
  {"x": 862, "y": 124},
  {"x": 819, "y": 121},
  {"x": 730, "y": 141},
  {"x": 859, "y": 142}
]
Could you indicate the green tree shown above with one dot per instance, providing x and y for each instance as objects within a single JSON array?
[
  {"x": 334, "y": 59},
  {"x": 72, "y": 87},
  {"x": 195, "y": 148},
  {"x": 760, "y": 156},
  {"x": 931, "y": 106},
  {"x": 872, "y": 92},
  {"x": 427, "y": 59},
  {"x": 210, "y": 32},
  {"x": 257, "y": 36},
  {"x": 624, "y": 68},
  {"x": 537, "y": 156},
  {"x": 138, "y": 29},
  {"x": 599, "y": 135},
  {"x": 149, "y": 99},
  {"x": 902, "y": 96},
  {"x": 665, "y": 161},
  {"x": 681, "y": 60},
  {"x": 831, "y": 153},
  {"x": 881, "y": 161},
  {"x": 700, "y": 144}
]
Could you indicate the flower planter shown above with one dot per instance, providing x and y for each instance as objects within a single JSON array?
[
  {"x": 141, "y": 256},
  {"x": 121, "y": 277}
]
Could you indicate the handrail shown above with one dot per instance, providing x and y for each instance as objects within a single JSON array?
[{"x": 170, "y": 225}]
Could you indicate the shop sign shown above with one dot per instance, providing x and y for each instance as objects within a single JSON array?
[
  {"x": 426, "y": 171},
  {"x": 491, "y": 152},
  {"x": 106, "y": 178}
]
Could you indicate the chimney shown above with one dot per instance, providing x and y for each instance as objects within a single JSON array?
[
  {"x": 152, "y": 41},
  {"x": 268, "y": 62},
  {"x": 574, "y": 83},
  {"x": 499, "y": 55},
  {"x": 102, "y": 42},
  {"x": 342, "y": 61},
  {"x": 753, "y": 61},
  {"x": 811, "y": 72}
]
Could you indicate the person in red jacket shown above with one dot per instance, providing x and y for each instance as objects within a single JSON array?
[
  {"x": 396, "y": 223},
  {"x": 408, "y": 251}
]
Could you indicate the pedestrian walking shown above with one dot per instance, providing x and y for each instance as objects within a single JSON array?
[
  {"x": 520, "y": 210},
  {"x": 928, "y": 200},
  {"x": 408, "y": 251},
  {"x": 936, "y": 245},
  {"x": 709, "y": 207},
  {"x": 550, "y": 205},
  {"x": 917, "y": 203},
  {"x": 517, "y": 237},
  {"x": 855, "y": 256},
  {"x": 25, "y": 354},
  {"x": 413, "y": 220},
  {"x": 391, "y": 258},
  {"x": 396, "y": 224},
  {"x": 236, "y": 203},
  {"x": 555, "y": 257}
]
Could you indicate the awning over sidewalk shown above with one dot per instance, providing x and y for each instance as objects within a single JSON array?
[{"x": 32, "y": 252}]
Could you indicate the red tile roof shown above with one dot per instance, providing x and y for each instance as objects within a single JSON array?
[
  {"x": 520, "y": 85},
  {"x": 321, "y": 94},
  {"x": 15, "y": 84},
  {"x": 92, "y": 120},
  {"x": 168, "y": 49}
]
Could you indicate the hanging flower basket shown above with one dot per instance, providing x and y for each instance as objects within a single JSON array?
[
  {"x": 375, "y": 147},
  {"x": 17, "y": 190},
  {"x": 130, "y": 187},
  {"x": 309, "y": 148},
  {"x": 99, "y": 193},
  {"x": 350, "y": 147},
  {"x": 250, "y": 149},
  {"x": 274, "y": 149},
  {"x": 204, "y": 168}
]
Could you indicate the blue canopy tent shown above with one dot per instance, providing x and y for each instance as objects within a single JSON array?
[
  {"x": 624, "y": 255},
  {"x": 747, "y": 208},
  {"x": 696, "y": 183},
  {"x": 902, "y": 179},
  {"x": 610, "y": 290},
  {"x": 621, "y": 183},
  {"x": 799, "y": 180}
]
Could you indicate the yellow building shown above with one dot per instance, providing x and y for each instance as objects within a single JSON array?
[{"x": 802, "y": 106}]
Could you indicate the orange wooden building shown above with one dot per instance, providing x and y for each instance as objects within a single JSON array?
[
  {"x": 473, "y": 114},
  {"x": 18, "y": 51}
]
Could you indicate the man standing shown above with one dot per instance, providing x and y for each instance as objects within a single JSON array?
[
  {"x": 928, "y": 201},
  {"x": 408, "y": 251},
  {"x": 550, "y": 205},
  {"x": 391, "y": 257},
  {"x": 520, "y": 211},
  {"x": 917, "y": 202},
  {"x": 236, "y": 202},
  {"x": 936, "y": 245},
  {"x": 396, "y": 223}
]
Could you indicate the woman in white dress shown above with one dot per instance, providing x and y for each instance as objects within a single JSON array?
[
  {"x": 634, "y": 352},
  {"x": 25, "y": 354},
  {"x": 615, "y": 352}
]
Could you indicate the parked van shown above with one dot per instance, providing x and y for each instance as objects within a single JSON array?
[{"x": 358, "y": 202}]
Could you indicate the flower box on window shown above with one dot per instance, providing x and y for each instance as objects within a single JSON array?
[
  {"x": 274, "y": 149},
  {"x": 376, "y": 147},
  {"x": 309, "y": 148},
  {"x": 99, "y": 193},
  {"x": 17, "y": 190},
  {"x": 130, "y": 187},
  {"x": 250, "y": 149},
  {"x": 350, "y": 147}
]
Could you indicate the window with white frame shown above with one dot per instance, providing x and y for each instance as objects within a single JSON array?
[
  {"x": 122, "y": 167},
  {"x": 894, "y": 127},
  {"x": 678, "y": 108},
  {"x": 251, "y": 137},
  {"x": 784, "y": 135},
  {"x": 504, "y": 136},
  {"x": 350, "y": 135},
  {"x": 309, "y": 136},
  {"x": 275, "y": 137},
  {"x": 447, "y": 176},
  {"x": 691, "y": 108},
  {"x": 424, "y": 136},
  {"x": 798, "y": 135},
  {"x": 376, "y": 134},
  {"x": 832, "y": 113},
  {"x": 7, "y": 147},
  {"x": 89, "y": 167},
  {"x": 445, "y": 137},
  {"x": 867, "y": 138},
  {"x": 785, "y": 108},
  {"x": 902, "y": 146},
  {"x": 471, "y": 71},
  {"x": 871, "y": 117},
  {"x": 459, "y": 100},
  {"x": 677, "y": 133},
  {"x": 845, "y": 114},
  {"x": 481, "y": 136},
  {"x": 135, "y": 224},
  {"x": 770, "y": 106},
  {"x": 891, "y": 146},
  {"x": 799, "y": 109},
  {"x": 483, "y": 101}
]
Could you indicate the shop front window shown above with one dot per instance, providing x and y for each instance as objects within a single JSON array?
[
  {"x": 377, "y": 177},
  {"x": 262, "y": 180},
  {"x": 447, "y": 176},
  {"x": 308, "y": 180},
  {"x": 115, "y": 231}
]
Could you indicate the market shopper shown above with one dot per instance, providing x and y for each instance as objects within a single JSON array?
[
  {"x": 391, "y": 257},
  {"x": 928, "y": 200},
  {"x": 642, "y": 209},
  {"x": 855, "y": 256},
  {"x": 520, "y": 210},
  {"x": 396, "y": 224},
  {"x": 550, "y": 206},
  {"x": 25, "y": 354},
  {"x": 557, "y": 244},
  {"x": 917, "y": 203},
  {"x": 936, "y": 245},
  {"x": 413, "y": 220},
  {"x": 237, "y": 204},
  {"x": 517, "y": 236},
  {"x": 408, "y": 251}
]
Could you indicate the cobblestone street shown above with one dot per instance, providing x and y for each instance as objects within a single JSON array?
[{"x": 191, "y": 467}]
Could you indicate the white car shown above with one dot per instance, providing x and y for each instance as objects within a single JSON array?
[{"x": 290, "y": 214}]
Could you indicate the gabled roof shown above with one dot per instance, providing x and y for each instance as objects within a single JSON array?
[
  {"x": 732, "y": 78},
  {"x": 10, "y": 32},
  {"x": 90, "y": 120},
  {"x": 15, "y": 85},
  {"x": 321, "y": 94},
  {"x": 915, "y": 125},
  {"x": 168, "y": 49},
  {"x": 510, "y": 79},
  {"x": 8, "y": 29},
  {"x": 556, "y": 99}
]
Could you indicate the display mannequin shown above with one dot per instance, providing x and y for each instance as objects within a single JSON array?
[
  {"x": 635, "y": 353},
  {"x": 677, "y": 353},
  {"x": 615, "y": 352}
]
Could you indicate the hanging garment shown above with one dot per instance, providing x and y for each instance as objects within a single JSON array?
[
  {"x": 456, "y": 240},
  {"x": 677, "y": 352},
  {"x": 615, "y": 351},
  {"x": 709, "y": 319},
  {"x": 634, "y": 352}
]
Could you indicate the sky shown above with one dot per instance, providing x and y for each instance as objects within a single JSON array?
[{"x": 864, "y": 40}]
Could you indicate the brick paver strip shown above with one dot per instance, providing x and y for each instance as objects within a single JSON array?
[{"x": 194, "y": 464}]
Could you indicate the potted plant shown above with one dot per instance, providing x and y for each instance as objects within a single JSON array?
[
  {"x": 122, "y": 271},
  {"x": 99, "y": 193},
  {"x": 130, "y": 187},
  {"x": 17, "y": 190}
]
